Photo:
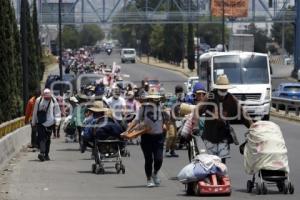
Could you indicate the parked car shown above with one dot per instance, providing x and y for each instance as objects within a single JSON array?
[
  {"x": 190, "y": 83},
  {"x": 288, "y": 90}
]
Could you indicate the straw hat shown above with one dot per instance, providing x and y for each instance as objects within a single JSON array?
[
  {"x": 73, "y": 99},
  {"x": 222, "y": 83},
  {"x": 91, "y": 88},
  {"x": 153, "y": 95},
  {"x": 186, "y": 109},
  {"x": 98, "y": 106}
]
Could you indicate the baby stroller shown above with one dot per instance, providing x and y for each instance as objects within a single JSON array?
[
  {"x": 265, "y": 155},
  {"x": 214, "y": 180},
  {"x": 109, "y": 150}
]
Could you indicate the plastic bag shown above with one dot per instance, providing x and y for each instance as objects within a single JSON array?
[{"x": 186, "y": 175}]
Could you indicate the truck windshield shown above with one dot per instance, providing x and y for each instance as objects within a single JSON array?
[
  {"x": 250, "y": 69},
  {"x": 128, "y": 51}
]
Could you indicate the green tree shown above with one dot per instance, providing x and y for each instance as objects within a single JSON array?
[
  {"x": 70, "y": 37},
  {"x": 260, "y": 38},
  {"x": 289, "y": 31},
  {"x": 157, "y": 41},
  {"x": 33, "y": 69},
  {"x": 191, "y": 48},
  {"x": 173, "y": 43},
  {"x": 37, "y": 42},
  {"x": 9, "y": 59},
  {"x": 126, "y": 34},
  {"x": 16, "y": 100},
  {"x": 5, "y": 61},
  {"x": 211, "y": 33},
  {"x": 90, "y": 34}
]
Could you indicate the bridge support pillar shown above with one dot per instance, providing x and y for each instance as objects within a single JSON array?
[{"x": 297, "y": 40}]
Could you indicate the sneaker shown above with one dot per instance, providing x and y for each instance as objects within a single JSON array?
[
  {"x": 47, "y": 158},
  {"x": 173, "y": 154},
  {"x": 41, "y": 157},
  {"x": 156, "y": 179},
  {"x": 150, "y": 183}
]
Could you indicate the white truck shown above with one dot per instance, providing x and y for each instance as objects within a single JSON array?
[
  {"x": 249, "y": 73},
  {"x": 241, "y": 42},
  {"x": 128, "y": 54}
]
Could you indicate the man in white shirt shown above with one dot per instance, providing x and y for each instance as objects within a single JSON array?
[
  {"x": 117, "y": 104},
  {"x": 46, "y": 115}
]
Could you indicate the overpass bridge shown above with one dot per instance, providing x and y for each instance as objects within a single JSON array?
[
  {"x": 107, "y": 12},
  {"x": 156, "y": 11}
]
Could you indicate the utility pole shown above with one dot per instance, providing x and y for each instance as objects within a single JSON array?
[
  {"x": 24, "y": 33},
  {"x": 297, "y": 39},
  {"x": 82, "y": 11},
  {"x": 223, "y": 25},
  {"x": 60, "y": 44},
  {"x": 283, "y": 37}
]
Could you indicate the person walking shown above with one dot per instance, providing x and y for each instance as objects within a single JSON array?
[
  {"x": 46, "y": 114},
  {"x": 28, "y": 118},
  {"x": 220, "y": 107},
  {"x": 152, "y": 142},
  {"x": 118, "y": 104}
]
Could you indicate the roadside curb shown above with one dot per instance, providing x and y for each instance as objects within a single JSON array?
[
  {"x": 12, "y": 143},
  {"x": 167, "y": 68}
]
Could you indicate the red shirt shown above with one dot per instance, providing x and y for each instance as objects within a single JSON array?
[{"x": 29, "y": 109}]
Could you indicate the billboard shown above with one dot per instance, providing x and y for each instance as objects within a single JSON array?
[
  {"x": 233, "y": 8},
  {"x": 49, "y": 12}
]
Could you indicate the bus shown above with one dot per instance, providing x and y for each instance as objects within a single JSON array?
[{"x": 248, "y": 72}]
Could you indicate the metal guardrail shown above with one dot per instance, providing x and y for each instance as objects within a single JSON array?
[
  {"x": 287, "y": 103},
  {"x": 10, "y": 126}
]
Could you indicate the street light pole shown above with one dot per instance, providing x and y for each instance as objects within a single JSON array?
[{"x": 60, "y": 42}]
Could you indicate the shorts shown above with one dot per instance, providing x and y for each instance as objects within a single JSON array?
[{"x": 221, "y": 149}]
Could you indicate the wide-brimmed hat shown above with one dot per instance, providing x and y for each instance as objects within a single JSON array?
[
  {"x": 98, "y": 106},
  {"x": 91, "y": 87},
  {"x": 222, "y": 83},
  {"x": 155, "y": 95},
  {"x": 130, "y": 93},
  {"x": 74, "y": 99}
]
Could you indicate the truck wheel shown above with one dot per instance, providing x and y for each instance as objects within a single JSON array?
[{"x": 266, "y": 117}]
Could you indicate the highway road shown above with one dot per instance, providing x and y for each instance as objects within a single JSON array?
[{"x": 68, "y": 175}]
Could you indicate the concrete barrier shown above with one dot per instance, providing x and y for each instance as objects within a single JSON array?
[{"x": 13, "y": 142}]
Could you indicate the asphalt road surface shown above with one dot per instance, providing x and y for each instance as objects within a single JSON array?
[{"x": 68, "y": 175}]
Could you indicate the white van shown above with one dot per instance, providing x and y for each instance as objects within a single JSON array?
[
  {"x": 249, "y": 73},
  {"x": 128, "y": 55}
]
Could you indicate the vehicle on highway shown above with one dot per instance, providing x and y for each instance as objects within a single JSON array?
[
  {"x": 249, "y": 73},
  {"x": 288, "y": 90},
  {"x": 108, "y": 51},
  {"x": 128, "y": 55},
  {"x": 154, "y": 84},
  {"x": 190, "y": 83}
]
